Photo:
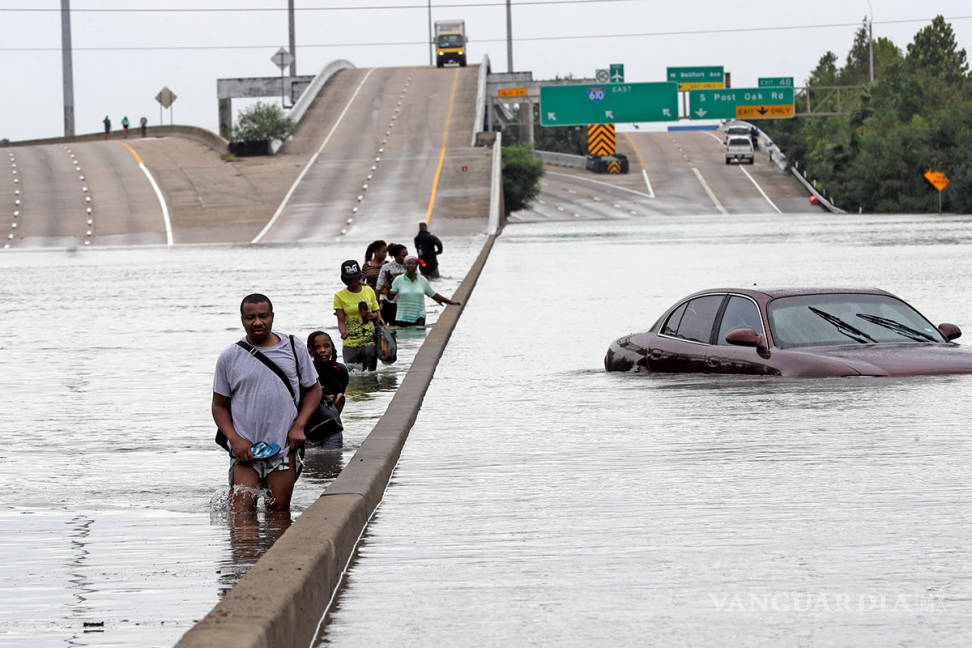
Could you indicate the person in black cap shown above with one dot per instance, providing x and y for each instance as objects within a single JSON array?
[{"x": 356, "y": 309}]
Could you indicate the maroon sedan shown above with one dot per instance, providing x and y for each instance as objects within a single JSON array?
[{"x": 794, "y": 332}]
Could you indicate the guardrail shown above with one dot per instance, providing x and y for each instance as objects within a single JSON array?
[
  {"x": 479, "y": 123},
  {"x": 562, "y": 159},
  {"x": 813, "y": 190},
  {"x": 307, "y": 97}
]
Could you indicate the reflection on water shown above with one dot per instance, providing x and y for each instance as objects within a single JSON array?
[
  {"x": 114, "y": 494},
  {"x": 540, "y": 500}
]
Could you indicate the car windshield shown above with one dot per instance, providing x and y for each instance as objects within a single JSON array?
[
  {"x": 846, "y": 318},
  {"x": 450, "y": 40}
]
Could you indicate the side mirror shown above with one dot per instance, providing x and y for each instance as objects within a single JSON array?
[
  {"x": 746, "y": 337},
  {"x": 950, "y": 331}
]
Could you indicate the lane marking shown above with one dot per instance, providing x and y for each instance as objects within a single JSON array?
[
  {"x": 642, "y": 163},
  {"x": 712, "y": 196},
  {"x": 445, "y": 135},
  {"x": 158, "y": 193},
  {"x": 751, "y": 179},
  {"x": 310, "y": 163},
  {"x": 600, "y": 182},
  {"x": 760, "y": 189}
]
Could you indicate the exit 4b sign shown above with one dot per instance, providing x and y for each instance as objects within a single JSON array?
[{"x": 741, "y": 103}]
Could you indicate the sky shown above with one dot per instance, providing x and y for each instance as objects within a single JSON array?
[{"x": 124, "y": 53}]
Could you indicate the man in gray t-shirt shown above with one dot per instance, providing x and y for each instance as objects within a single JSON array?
[{"x": 251, "y": 404}]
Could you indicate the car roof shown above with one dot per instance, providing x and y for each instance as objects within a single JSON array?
[{"x": 767, "y": 294}]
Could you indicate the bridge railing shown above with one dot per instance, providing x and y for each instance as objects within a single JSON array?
[{"x": 310, "y": 94}]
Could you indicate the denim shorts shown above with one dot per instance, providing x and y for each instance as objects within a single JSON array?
[{"x": 263, "y": 467}]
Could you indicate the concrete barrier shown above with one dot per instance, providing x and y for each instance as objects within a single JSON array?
[
  {"x": 310, "y": 94},
  {"x": 479, "y": 123},
  {"x": 201, "y": 135},
  {"x": 496, "y": 208},
  {"x": 283, "y": 599},
  {"x": 562, "y": 159}
]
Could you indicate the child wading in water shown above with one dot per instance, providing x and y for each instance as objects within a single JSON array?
[{"x": 332, "y": 375}]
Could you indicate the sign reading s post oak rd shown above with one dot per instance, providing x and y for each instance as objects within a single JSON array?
[
  {"x": 741, "y": 103},
  {"x": 607, "y": 103},
  {"x": 695, "y": 78}
]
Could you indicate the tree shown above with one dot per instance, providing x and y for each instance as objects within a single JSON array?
[
  {"x": 934, "y": 53},
  {"x": 521, "y": 177},
  {"x": 262, "y": 122}
]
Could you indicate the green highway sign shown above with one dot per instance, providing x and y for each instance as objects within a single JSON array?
[
  {"x": 741, "y": 103},
  {"x": 608, "y": 103},
  {"x": 694, "y": 78},
  {"x": 775, "y": 82},
  {"x": 617, "y": 73}
]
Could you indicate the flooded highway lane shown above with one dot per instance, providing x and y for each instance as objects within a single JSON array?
[
  {"x": 540, "y": 500},
  {"x": 114, "y": 494}
]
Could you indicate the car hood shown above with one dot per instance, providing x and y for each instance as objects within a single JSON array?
[{"x": 906, "y": 359}]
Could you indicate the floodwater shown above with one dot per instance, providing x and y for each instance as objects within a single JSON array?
[
  {"x": 113, "y": 498},
  {"x": 542, "y": 501}
]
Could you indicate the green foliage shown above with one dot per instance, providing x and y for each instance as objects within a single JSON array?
[
  {"x": 262, "y": 122},
  {"x": 915, "y": 117},
  {"x": 521, "y": 177}
]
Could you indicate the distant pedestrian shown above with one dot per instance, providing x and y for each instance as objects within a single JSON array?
[
  {"x": 411, "y": 289},
  {"x": 125, "y": 125},
  {"x": 356, "y": 309},
  {"x": 374, "y": 259},
  {"x": 394, "y": 267},
  {"x": 107, "y": 122},
  {"x": 143, "y": 122},
  {"x": 428, "y": 247},
  {"x": 754, "y": 136}
]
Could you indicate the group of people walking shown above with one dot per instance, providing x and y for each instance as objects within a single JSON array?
[
  {"x": 267, "y": 386},
  {"x": 388, "y": 289}
]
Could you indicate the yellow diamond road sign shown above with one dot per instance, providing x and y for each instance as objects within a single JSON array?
[
  {"x": 937, "y": 178},
  {"x": 757, "y": 112}
]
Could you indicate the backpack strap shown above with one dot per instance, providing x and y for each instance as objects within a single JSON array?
[{"x": 255, "y": 352}]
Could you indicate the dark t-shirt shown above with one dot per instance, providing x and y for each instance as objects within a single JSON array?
[
  {"x": 334, "y": 378},
  {"x": 428, "y": 245}
]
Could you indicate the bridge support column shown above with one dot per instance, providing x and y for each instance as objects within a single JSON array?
[{"x": 225, "y": 117}]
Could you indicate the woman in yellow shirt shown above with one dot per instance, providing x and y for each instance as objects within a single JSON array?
[{"x": 356, "y": 309}]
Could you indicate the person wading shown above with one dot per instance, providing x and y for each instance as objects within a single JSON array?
[
  {"x": 257, "y": 411},
  {"x": 356, "y": 309},
  {"x": 428, "y": 247},
  {"x": 410, "y": 290}
]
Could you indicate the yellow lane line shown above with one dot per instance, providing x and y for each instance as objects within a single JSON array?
[
  {"x": 126, "y": 145},
  {"x": 445, "y": 136}
]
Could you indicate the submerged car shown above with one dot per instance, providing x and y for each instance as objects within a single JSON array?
[{"x": 793, "y": 332}]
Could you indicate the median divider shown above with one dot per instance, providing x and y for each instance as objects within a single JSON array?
[{"x": 284, "y": 598}]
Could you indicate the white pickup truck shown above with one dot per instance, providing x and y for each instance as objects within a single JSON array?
[{"x": 739, "y": 148}]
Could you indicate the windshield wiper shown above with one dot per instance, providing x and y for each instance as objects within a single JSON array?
[
  {"x": 897, "y": 327},
  {"x": 843, "y": 327}
]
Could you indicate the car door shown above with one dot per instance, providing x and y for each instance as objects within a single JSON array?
[
  {"x": 739, "y": 312},
  {"x": 683, "y": 345}
]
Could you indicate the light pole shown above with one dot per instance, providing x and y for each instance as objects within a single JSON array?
[
  {"x": 870, "y": 39},
  {"x": 509, "y": 38},
  {"x": 67, "y": 68}
]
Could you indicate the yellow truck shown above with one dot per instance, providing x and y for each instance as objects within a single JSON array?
[{"x": 450, "y": 42}]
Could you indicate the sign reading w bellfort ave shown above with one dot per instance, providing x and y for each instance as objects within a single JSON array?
[
  {"x": 695, "y": 78},
  {"x": 741, "y": 103},
  {"x": 608, "y": 103}
]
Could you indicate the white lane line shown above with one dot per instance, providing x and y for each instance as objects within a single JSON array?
[
  {"x": 648, "y": 183},
  {"x": 760, "y": 189},
  {"x": 705, "y": 185},
  {"x": 165, "y": 209},
  {"x": 606, "y": 184},
  {"x": 310, "y": 163}
]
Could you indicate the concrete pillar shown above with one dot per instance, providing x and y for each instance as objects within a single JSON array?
[
  {"x": 225, "y": 117},
  {"x": 529, "y": 122}
]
